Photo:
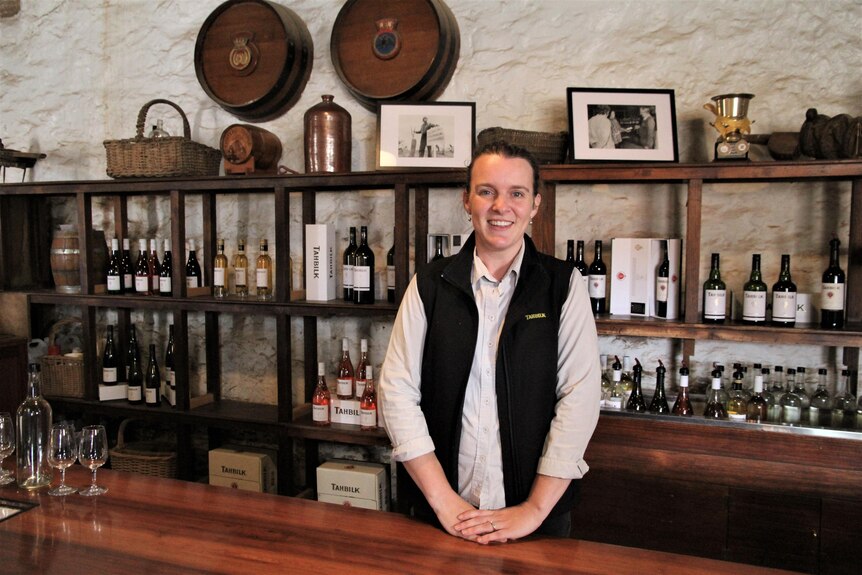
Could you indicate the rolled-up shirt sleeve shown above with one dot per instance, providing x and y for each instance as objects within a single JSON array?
[
  {"x": 400, "y": 380},
  {"x": 578, "y": 388}
]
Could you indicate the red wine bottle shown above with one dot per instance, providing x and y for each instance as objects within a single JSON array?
[
  {"x": 598, "y": 275},
  {"x": 109, "y": 359},
  {"x": 363, "y": 271},
  {"x": 348, "y": 261},
  {"x": 115, "y": 269},
  {"x": 142, "y": 270},
  {"x": 662, "y": 282},
  {"x": 193, "y": 268},
  {"x": 153, "y": 391},
  {"x": 832, "y": 291}
]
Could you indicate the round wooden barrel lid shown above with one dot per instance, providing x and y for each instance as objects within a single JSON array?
[
  {"x": 395, "y": 51},
  {"x": 253, "y": 58}
]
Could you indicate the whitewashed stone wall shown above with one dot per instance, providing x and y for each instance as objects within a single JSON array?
[{"x": 73, "y": 74}]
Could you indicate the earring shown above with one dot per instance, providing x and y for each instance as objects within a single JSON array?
[
  {"x": 531, "y": 221},
  {"x": 469, "y": 217}
]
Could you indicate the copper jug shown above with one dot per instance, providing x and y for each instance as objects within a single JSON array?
[{"x": 327, "y": 137}]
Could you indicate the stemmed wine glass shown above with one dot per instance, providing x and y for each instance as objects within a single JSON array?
[
  {"x": 7, "y": 446},
  {"x": 93, "y": 453},
  {"x": 62, "y": 452}
]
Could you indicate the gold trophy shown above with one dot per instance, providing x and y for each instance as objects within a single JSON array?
[{"x": 732, "y": 124}]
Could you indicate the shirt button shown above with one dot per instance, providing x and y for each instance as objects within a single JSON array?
[{"x": 491, "y": 317}]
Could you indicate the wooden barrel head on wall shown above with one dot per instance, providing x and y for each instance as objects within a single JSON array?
[
  {"x": 395, "y": 51},
  {"x": 253, "y": 58}
]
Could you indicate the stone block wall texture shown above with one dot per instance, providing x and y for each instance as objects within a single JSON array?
[{"x": 73, "y": 74}]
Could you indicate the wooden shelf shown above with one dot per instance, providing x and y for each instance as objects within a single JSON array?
[{"x": 304, "y": 428}]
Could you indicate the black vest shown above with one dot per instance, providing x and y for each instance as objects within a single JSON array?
[{"x": 526, "y": 362}]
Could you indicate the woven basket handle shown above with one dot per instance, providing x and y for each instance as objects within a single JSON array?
[
  {"x": 142, "y": 118},
  {"x": 121, "y": 441}
]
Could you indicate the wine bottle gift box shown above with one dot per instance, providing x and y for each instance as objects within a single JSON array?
[
  {"x": 634, "y": 278},
  {"x": 344, "y": 411},
  {"x": 320, "y": 262},
  {"x": 243, "y": 468},
  {"x": 353, "y": 484}
]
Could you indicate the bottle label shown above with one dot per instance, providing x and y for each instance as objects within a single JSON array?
[
  {"x": 360, "y": 388},
  {"x": 192, "y": 281},
  {"x": 262, "y": 278},
  {"x": 597, "y": 286},
  {"x": 134, "y": 393},
  {"x": 156, "y": 281},
  {"x": 218, "y": 277},
  {"x": 142, "y": 284},
  {"x": 348, "y": 275},
  {"x": 736, "y": 416},
  {"x": 114, "y": 283},
  {"x": 754, "y": 306},
  {"x": 128, "y": 281},
  {"x": 784, "y": 306},
  {"x": 320, "y": 413},
  {"x": 791, "y": 414},
  {"x": 241, "y": 276},
  {"x": 832, "y": 296},
  {"x": 390, "y": 277},
  {"x": 152, "y": 395},
  {"x": 661, "y": 288},
  {"x": 109, "y": 375},
  {"x": 368, "y": 417},
  {"x": 165, "y": 285},
  {"x": 614, "y": 403},
  {"x": 361, "y": 278},
  {"x": 714, "y": 303},
  {"x": 345, "y": 387}
]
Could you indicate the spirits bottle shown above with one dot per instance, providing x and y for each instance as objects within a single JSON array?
[
  {"x": 791, "y": 404},
  {"x": 109, "y": 359},
  {"x": 770, "y": 398},
  {"x": 737, "y": 405},
  {"x": 153, "y": 391},
  {"x": 784, "y": 296},
  {"x": 193, "y": 268},
  {"x": 264, "y": 272},
  {"x": 580, "y": 263},
  {"x": 662, "y": 282},
  {"x": 607, "y": 382},
  {"x": 346, "y": 375},
  {"x": 115, "y": 269},
  {"x": 142, "y": 270},
  {"x": 360, "y": 368},
  {"x": 155, "y": 269},
  {"x": 682, "y": 405},
  {"x": 615, "y": 399},
  {"x": 438, "y": 249},
  {"x": 754, "y": 295},
  {"x": 390, "y": 272},
  {"x": 348, "y": 260},
  {"x": 832, "y": 291},
  {"x": 798, "y": 387},
  {"x": 758, "y": 405},
  {"x": 240, "y": 270},
  {"x": 368, "y": 402},
  {"x": 627, "y": 381},
  {"x": 844, "y": 406},
  {"x": 598, "y": 274},
  {"x": 170, "y": 373},
  {"x": 363, "y": 271},
  {"x": 777, "y": 390},
  {"x": 820, "y": 410},
  {"x": 714, "y": 294},
  {"x": 166, "y": 284},
  {"x": 220, "y": 271},
  {"x": 33, "y": 424},
  {"x": 128, "y": 268},
  {"x": 320, "y": 398},
  {"x": 135, "y": 392},
  {"x": 714, "y": 407},
  {"x": 659, "y": 399},
  {"x": 636, "y": 400}
]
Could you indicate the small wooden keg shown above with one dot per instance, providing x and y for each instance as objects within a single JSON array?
[
  {"x": 249, "y": 149},
  {"x": 65, "y": 261}
]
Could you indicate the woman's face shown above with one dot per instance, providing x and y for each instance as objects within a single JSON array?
[{"x": 501, "y": 202}]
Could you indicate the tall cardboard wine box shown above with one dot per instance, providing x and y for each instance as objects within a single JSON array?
[
  {"x": 320, "y": 262},
  {"x": 634, "y": 262}
]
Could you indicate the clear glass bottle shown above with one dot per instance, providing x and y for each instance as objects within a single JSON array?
[
  {"x": 607, "y": 382},
  {"x": 598, "y": 275},
  {"x": 320, "y": 398},
  {"x": 770, "y": 398},
  {"x": 264, "y": 272},
  {"x": 791, "y": 404},
  {"x": 158, "y": 131},
  {"x": 777, "y": 390},
  {"x": 368, "y": 402},
  {"x": 784, "y": 296},
  {"x": 33, "y": 424},
  {"x": 346, "y": 374},
  {"x": 166, "y": 284},
  {"x": 714, "y": 407},
  {"x": 737, "y": 404},
  {"x": 615, "y": 399},
  {"x": 194, "y": 277},
  {"x": 143, "y": 281},
  {"x": 659, "y": 399},
  {"x": 627, "y": 382},
  {"x": 798, "y": 387},
  {"x": 820, "y": 409},
  {"x": 832, "y": 291},
  {"x": 220, "y": 271},
  {"x": 682, "y": 405},
  {"x": 240, "y": 270},
  {"x": 758, "y": 405},
  {"x": 754, "y": 295},
  {"x": 636, "y": 400},
  {"x": 360, "y": 368},
  {"x": 844, "y": 406},
  {"x": 714, "y": 294}
]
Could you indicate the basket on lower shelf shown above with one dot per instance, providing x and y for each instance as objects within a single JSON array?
[
  {"x": 547, "y": 147},
  {"x": 62, "y": 375},
  {"x": 155, "y": 458}
]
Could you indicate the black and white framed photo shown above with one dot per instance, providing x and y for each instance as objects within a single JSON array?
[
  {"x": 426, "y": 135},
  {"x": 608, "y": 124}
]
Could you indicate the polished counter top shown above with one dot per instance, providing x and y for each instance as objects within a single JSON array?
[{"x": 150, "y": 525}]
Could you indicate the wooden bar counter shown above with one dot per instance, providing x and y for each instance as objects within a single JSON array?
[{"x": 148, "y": 525}]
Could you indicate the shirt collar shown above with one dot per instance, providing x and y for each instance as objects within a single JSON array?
[{"x": 481, "y": 271}]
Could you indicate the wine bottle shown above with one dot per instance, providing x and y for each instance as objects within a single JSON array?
[
  {"x": 109, "y": 359},
  {"x": 33, "y": 425},
  {"x": 820, "y": 410},
  {"x": 636, "y": 400},
  {"x": 193, "y": 268},
  {"x": 363, "y": 271},
  {"x": 263, "y": 273},
  {"x": 345, "y": 381},
  {"x": 115, "y": 269},
  {"x": 844, "y": 406},
  {"x": 131, "y": 349},
  {"x": 580, "y": 264},
  {"x": 170, "y": 373},
  {"x": 662, "y": 282},
  {"x": 128, "y": 268},
  {"x": 607, "y": 381},
  {"x": 682, "y": 405},
  {"x": 348, "y": 260},
  {"x": 791, "y": 404},
  {"x": 219, "y": 271},
  {"x": 626, "y": 380},
  {"x": 390, "y": 272},
  {"x": 754, "y": 295},
  {"x": 570, "y": 251},
  {"x": 832, "y": 291},
  {"x": 784, "y": 296},
  {"x": 240, "y": 270},
  {"x": 320, "y": 398},
  {"x": 598, "y": 274},
  {"x": 737, "y": 405},
  {"x": 758, "y": 405},
  {"x": 615, "y": 399},
  {"x": 368, "y": 402},
  {"x": 142, "y": 270},
  {"x": 135, "y": 392},
  {"x": 155, "y": 269},
  {"x": 166, "y": 284},
  {"x": 714, "y": 295},
  {"x": 360, "y": 368},
  {"x": 659, "y": 399},
  {"x": 438, "y": 248},
  {"x": 153, "y": 391},
  {"x": 714, "y": 406}
]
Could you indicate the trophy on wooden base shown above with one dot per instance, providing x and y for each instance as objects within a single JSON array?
[{"x": 732, "y": 124}]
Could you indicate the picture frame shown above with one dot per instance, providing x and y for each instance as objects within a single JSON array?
[
  {"x": 622, "y": 125},
  {"x": 425, "y": 135}
]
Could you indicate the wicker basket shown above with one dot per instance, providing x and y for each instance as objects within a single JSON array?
[
  {"x": 548, "y": 148},
  {"x": 62, "y": 376},
  {"x": 172, "y": 156},
  {"x": 154, "y": 458}
]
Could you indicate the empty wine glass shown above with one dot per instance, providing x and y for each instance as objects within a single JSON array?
[
  {"x": 93, "y": 453},
  {"x": 7, "y": 446},
  {"x": 62, "y": 452}
]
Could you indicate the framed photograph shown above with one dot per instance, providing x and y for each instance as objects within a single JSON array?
[
  {"x": 425, "y": 135},
  {"x": 607, "y": 124}
]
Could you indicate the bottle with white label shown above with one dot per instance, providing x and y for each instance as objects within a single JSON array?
[
  {"x": 784, "y": 296},
  {"x": 166, "y": 285},
  {"x": 142, "y": 270},
  {"x": 737, "y": 405},
  {"x": 115, "y": 269},
  {"x": 320, "y": 398},
  {"x": 127, "y": 267},
  {"x": 368, "y": 402},
  {"x": 194, "y": 278},
  {"x": 264, "y": 272},
  {"x": 662, "y": 282},
  {"x": 153, "y": 389},
  {"x": 714, "y": 294},
  {"x": 754, "y": 295},
  {"x": 155, "y": 268},
  {"x": 360, "y": 368},
  {"x": 832, "y": 291},
  {"x": 615, "y": 399},
  {"x": 363, "y": 270},
  {"x": 240, "y": 270},
  {"x": 346, "y": 375},
  {"x": 598, "y": 274},
  {"x": 135, "y": 391},
  {"x": 109, "y": 359},
  {"x": 219, "y": 271}
]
